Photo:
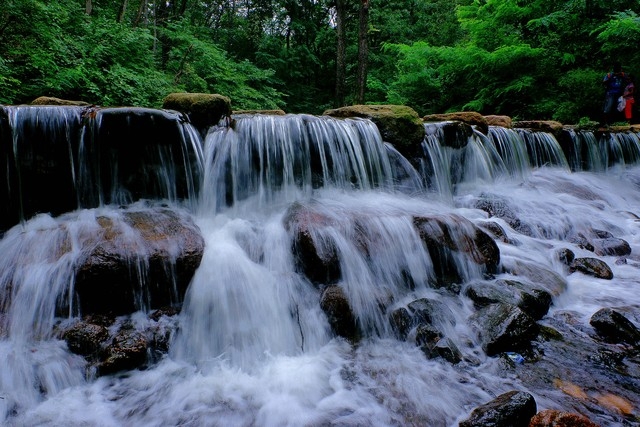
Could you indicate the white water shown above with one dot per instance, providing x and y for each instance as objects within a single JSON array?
[{"x": 253, "y": 346}]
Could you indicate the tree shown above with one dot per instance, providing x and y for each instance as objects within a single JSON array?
[{"x": 363, "y": 51}]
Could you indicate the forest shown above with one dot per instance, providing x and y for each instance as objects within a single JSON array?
[{"x": 529, "y": 59}]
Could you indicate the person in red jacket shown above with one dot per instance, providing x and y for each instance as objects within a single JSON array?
[{"x": 629, "y": 98}]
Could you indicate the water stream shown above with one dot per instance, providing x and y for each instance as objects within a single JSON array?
[{"x": 252, "y": 347}]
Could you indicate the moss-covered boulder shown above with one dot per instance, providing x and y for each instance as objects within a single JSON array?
[
  {"x": 469, "y": 117},
  {"x": 398, "y": 124},
  {"x": 49, "y": 100},
  {"x": 203, "y": 109}
]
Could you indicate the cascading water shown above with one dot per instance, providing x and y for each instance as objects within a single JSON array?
[{"x": 253, "y": 343}]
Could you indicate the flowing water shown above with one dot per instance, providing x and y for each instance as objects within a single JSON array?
[{"x": 252, "y": 347}]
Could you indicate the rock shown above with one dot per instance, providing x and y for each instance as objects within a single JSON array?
[
  {"x": 511, "y": 409},
  {"x": 146, "y": 256},
  {"x": 400, "y": 321},
  {"x": 539, "y": 275},
  {"x": 398, "y": 124},
  {"x": 318, "y": 262},
  {"x": 615, "y": 327},
  {"x": 504, "y": 327},
  {"x": 447, "y": 349},
  {"x": 611, "y": 246},
  {"x": 203, "y": 109},
  {"x": 502, "y": 121},
  {"x": 496, "y": 206},
  {"x": 497, "y": 231},
  {"x": 458, "y": 234},
  {"x": 265, "y": 112},
  {"x": 555, "y": 418},
  {"x": 127, "y": 350},
  {"x": 549, "y": 126},
  {"x": 48, "y": 100},
  {"x": 532, "y": 300},
  {"x": 469, "y": 117},
  {"x": 85, "y": 338},
  {"x": 566, "y": 256},
  {"x": 592, "y": 267},
  {"x": 452, "y": 134},
  {"x": 335, "y": 304}
]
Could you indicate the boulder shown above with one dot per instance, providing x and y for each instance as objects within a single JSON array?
[
  {"x": 126, "y": 351},
  {"x": 498, "y": 207},
  {"x": 592, "y": 267},
  {"x": 532, "y": 300},
  {"x": 615, "y": 327},
  {"x": 504, "y": 327},
  {"x": 549, "y": 126},
  {"x": 85, "y": 338},
  {"x": 555, "y": 418},
  {"x": 49, "y": 100},
  {"x": 265, "y": 112},
  {"x": 456, "y": 233},
  {"x": 451, "y": 134},
  {"x": 510, "y": 409},
  {"x": 611, "y": 246},
  {"x": 469, "y": 117},
  {"x": 318, "y": 262},
  {"x": 502, "y": 121},
  {"x": 539, "y": 275},
  {"x": 144, "y": 259},
  {"x": 203, "y": 109},
  {"x": 335, "y": 304},
  {"x": 398, "y": 124}
]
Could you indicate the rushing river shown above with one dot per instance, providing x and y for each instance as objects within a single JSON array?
[{"x": 251, "y": 345}]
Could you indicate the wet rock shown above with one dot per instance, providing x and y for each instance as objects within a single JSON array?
[
  {"x": 85, "y": 338},
  {"x": 582, "y": 242},
  {"x": 496, "y": 206},
  {"x": 452, "y": 134},
  {"x": 592, "y": 267},
  {"x": 446, "y": 349},
  {"x": 555, "y": 418},
  {"x": 335, "y": 304},
  {"x": 511, "y": 409},
  {"x": 615, "y": 327},
  {"x": 497, "y": 231},
  {"x": 611, "y": 246},
  {"x": 203, "y": 109},
  {"x": 149, "y": 257},
  {"x": 549, "y": 126},
  {"x": 469, "y": 117},
  {"x": 566, "y": 256},
  {"x": 265, "y": 112},
  {"x": 317, "y": 260},
  {"x": 532, "y": 300},
  {"x": 127, "y": 350},
  {"x": 539, "y": 275},
  {"x": 49, "y": 100},
  {"x": 502, "y": 121},
  {"x": 456, "y": 233},
  {"x": 504, "y": 327},
  {"x": 400, "y": 321},
  {"x": 398, "y": 124}
]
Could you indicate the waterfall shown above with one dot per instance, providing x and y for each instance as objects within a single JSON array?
[{"x": 222, "y": 252}]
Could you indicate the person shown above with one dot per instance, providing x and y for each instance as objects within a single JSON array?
[
  {"x": 629, "y": 97},
  {"x": 614, "y": 84}
]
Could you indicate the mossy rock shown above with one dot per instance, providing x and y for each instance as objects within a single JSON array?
[
  {"x": 398, "y": 124},
  {"x": 49, "y": 100},
  {"x": 549, "y": 126},
  {"x": 469, "y": 117},
  {"x": 203, "y": 109},
  {"x": 264, "y": 112}
]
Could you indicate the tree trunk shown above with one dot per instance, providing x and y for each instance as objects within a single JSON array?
[
  {"x": 363, "y": 51},
  {"x": 143, "y": 14},
  {"x": 88, "y": 7},
  {"x": 123, "y": 11},
  {"x": 341, "y": 50}
]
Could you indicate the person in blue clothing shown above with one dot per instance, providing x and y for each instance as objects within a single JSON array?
[{"x": 614, "y": 84}]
